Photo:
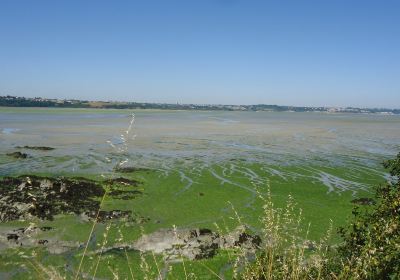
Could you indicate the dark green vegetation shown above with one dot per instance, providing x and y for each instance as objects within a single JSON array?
[
  {"x": 13, "y": 101},
  {"x": 372, "y": 240}
]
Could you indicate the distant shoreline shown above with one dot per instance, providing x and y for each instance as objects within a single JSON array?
[{"x": 24, "y": 102}]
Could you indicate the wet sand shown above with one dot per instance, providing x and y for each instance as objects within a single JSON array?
[{"x": 79, "y": 137}]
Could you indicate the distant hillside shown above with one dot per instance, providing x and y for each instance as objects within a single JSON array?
[{"x": 14, "y": 101}]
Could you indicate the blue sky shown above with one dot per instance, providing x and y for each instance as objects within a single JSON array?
[{"x": 317, "y": 53}]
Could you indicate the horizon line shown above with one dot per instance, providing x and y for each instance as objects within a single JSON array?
[{"x": 202, "y": 104}]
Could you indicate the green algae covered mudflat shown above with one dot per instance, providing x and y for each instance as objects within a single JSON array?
[{"x": 181, "y": 169}]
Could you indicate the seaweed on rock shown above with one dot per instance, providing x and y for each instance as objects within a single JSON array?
[{"x": 43, "y": 197}]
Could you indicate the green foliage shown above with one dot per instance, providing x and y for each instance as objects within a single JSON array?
[{"x": 371, "y": 248}]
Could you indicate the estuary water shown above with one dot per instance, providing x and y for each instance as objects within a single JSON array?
[{"x": 82, "y": 137}]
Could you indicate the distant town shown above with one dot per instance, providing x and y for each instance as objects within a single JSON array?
[{"x": 15, "y": 101}]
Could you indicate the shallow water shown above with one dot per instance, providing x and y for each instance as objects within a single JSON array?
[{"x": 166, "y": 138}]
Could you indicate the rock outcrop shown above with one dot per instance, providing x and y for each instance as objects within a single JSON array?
[
  {"x": 24, "y": 197},
  {"x": 364, "y": 201},
  {"x": 33, "y": 196},
  {"x": 195, "y": 243},
  {"x": 39, "y": 148},
  {"x": 17, "y": 155}
]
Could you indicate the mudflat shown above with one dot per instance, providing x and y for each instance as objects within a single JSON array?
[{"x": 176, "y": 169}]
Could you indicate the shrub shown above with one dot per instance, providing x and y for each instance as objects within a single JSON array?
[{"x": 371, "y": 248}]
